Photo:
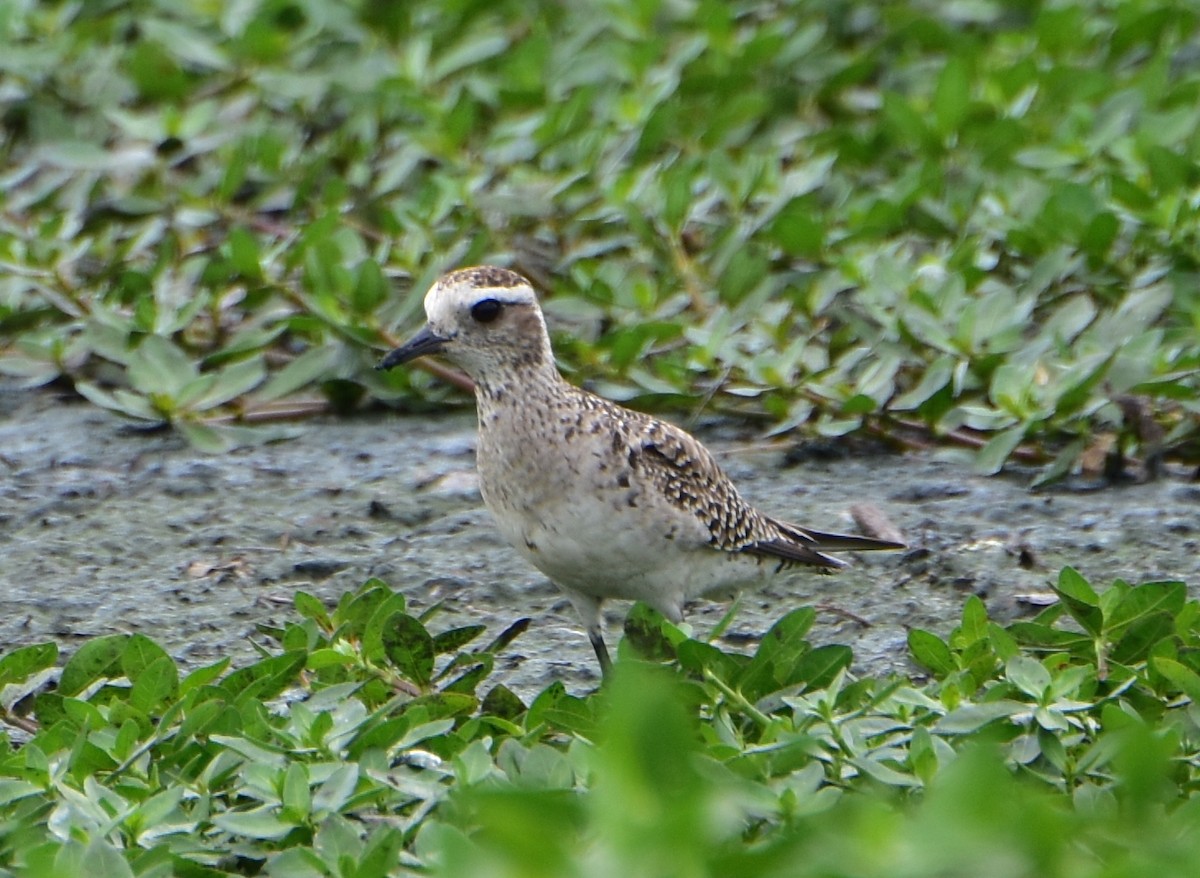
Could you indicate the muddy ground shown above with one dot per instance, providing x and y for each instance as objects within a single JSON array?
[{"x": 105, "y": 529}]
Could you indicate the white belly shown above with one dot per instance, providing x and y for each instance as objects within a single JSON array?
[
  {"x": 569, "y": 500},
  {"x": 595, "y": 543}
]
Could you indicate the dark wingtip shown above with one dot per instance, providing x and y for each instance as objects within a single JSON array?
[
  {"x": 797, "y": 553},
  {"x": 832, "y": 542}
]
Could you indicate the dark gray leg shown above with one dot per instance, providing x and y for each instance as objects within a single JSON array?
[
  {"x": 597, "y": 639},
  {"x": 588, "y": 608}
]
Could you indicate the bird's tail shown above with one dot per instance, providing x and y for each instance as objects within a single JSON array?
[
  {"x": 838, "y": 542},
  {"x": 799, "y": 545}
]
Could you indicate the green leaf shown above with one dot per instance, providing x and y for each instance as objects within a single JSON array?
[
  {"x": 477, "y": 669},
  {"x": 380, "y": 854},
  {"x": 904, "y": 123},
  {"x": 140, "y": 652},
  {"x": 699, "y": 657},
  {"x": 265, "y": 678},
  {"x": 971, "y": 717},
  {"x": 931, "y": 652},
  {"x": 1003, "y": 643},
  {"x": 154, "y": 684},
  {"x": 203, "y": 676},
  {"x": 1183, "y": 677},
  {"x": 120, "y": 401},
  {"x": 336, "y": 790},
  {"x": 328, "y": 658},
  {"x": 1145, "y": 600},
  {"x": 295, "y": 796},
  {"x": 1029, "y": 675},
  {"x": 307, "y": 369},
  {"x": 158, "y": 366},
  {"x": 818, "y": 667},
  {"x": 1062, "y": 464},
  {"x": 556, "y": 709},
  {"x": 220, "y": 438},
  {"x": 1035, "y": 634},
  {"x": 1080, "y": 383},
  {"x": 409, "y": 647},
  {"x": 259, "y": 823},
  {"x": 244, "y": 254},
  {"x": 370, "y": 289},
  {"x": 787, "y": 633},
  {"x": 201, "y": 718},
  {"x": 467, "y": 53},
  {"x": 105, "y": 861},
  {"x": 12, "y": 790},
  {"x": 93, "y": 660},
  {"x": 507, "y": 636},
  {"x": 777, "y": 661},
  {"x": 1139, "y": 638},
  {"x": 933, "y": 378},
  {"x": 312, "y": 608},
  {"x": 798, "y": 229},
  {"x": 372, "y": 611},
  {"x": 646, "y": 630},
  {"x": 82, "y": 713},
  {"x": 230, "y": 383},
  {"x": 25, "y": 661},
  {"x": 990, "y": 459},
  {"x": 883, "y": 773},
  {"x": 501, "y": 702},
  {"x": 952, "y": 95},
  {"x": 456, "y": 638},
  {"x": 303, "y": 862},
  {"x": 159, "y": 808},
  {"x": 1080, "y": 600},
  {"x": 974, "y": 626},
  {"x": 189, "y": 393},
  {"x": 204, "y": 437}
]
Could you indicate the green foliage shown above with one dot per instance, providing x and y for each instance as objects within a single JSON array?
[
  {"x": 973, "y": 222},
  {"x": 364, "y": 744}
]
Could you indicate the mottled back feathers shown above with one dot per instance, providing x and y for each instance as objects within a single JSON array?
[{"x": 683, "y": 471}]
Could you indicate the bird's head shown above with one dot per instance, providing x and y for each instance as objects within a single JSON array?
[{"x": 485, "y": 320}]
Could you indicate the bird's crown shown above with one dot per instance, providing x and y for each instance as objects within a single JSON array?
[{"x": 457, "y": 292}]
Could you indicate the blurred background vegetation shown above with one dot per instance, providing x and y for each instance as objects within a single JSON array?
[{"x": 972, "y": 222}]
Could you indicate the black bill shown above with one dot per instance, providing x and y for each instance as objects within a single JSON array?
[{"x": 424, "y": 342}]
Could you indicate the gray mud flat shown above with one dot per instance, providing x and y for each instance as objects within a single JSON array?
[{"x": 104, "y": 529}]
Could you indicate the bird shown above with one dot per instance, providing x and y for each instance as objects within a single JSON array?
[{"x": 607, "y": 502}]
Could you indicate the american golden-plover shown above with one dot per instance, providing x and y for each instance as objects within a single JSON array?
[{"x": 607, "y": 502}]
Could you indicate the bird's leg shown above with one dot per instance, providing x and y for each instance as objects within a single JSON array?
[
  {"x": 588, "y": 608},
  {"x": 597, "y": 638}
]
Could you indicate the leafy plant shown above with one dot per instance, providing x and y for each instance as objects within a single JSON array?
[
  {"x": 831, "y": 216},
  {"x": 359, "y": 744}
]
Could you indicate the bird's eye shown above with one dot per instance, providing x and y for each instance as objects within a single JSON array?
[{"x": 486, "y": 310}]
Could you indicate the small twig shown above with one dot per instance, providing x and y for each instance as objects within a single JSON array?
[
  {"x": 960, "y": 436},
  {"x": 738, "y": 698},
  {"x": 905, "y": 443},
  {"x": 21, "y": 722},
  {"x": 873, "y": 522},
  {"x": 444, "y": 373},
  {"x": 686, "y": 269},
  {"x": 845, "y": 614},
  {"x": 707, "y": 398},
  {"x": 273, "y": 411}
]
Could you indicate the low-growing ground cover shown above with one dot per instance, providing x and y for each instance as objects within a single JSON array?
[
  {"x": 367, "y": 742},
  {"x": 972, "y": 223}
]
